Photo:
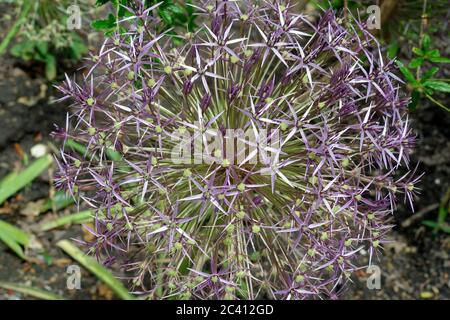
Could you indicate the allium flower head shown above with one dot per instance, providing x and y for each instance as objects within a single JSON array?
[{"x": 255, "y": 160}]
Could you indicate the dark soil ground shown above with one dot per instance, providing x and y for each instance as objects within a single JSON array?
[
  {"x": 415, "y": 265},
  {"x": 417, "y": 262}
]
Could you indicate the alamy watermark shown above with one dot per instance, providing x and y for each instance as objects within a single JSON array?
[
  {"x": 74, "y": 277},
  {"x": 374, "y": 19},
  {"x": 373, "y": 282},
  {"x": 74, "y": 17}
]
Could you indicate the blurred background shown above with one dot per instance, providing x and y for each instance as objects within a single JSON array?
[{"x": 41, "y": 40}]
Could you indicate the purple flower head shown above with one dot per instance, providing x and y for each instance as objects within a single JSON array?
[{"x": 256, "y": 159}]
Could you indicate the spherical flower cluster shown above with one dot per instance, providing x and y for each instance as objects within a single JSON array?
[{"x": 253, "y": 158}]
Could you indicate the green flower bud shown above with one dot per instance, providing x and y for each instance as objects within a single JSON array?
[
  {"x": 230, "y": 228},
  {"x": 187, "y": 173},
  {"x": 187, "y": 72},
  {"x": 299, "y": 278},
  {"x": 178, "y": 246},
  {"x": 90, "y": 102},
  {"x": 151, "y": 82},
  {"x": 77, "y": 163},
  {"x": 172, "y": 286},
  {"x": 225, "y": 163},
  {"x": 256, "y": 229},
  {"x": 345, "y": 162},
  {"x": 240, "y": 215},
  {"x": 168, "y": 69},
  {"x": 234, "y": 59}
]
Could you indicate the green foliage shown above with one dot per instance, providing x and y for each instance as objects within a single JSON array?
[
  {"x": 420, "y": 80},
  {"x": 30, "y": 291},
  {"x": 59, "y": 201},
  {"x": 98, "y": 270},
  {"x": 444, "y": 210},
  {"x": 42, "y": 34},
  {"x": 409, "y": 22},
  {"x": 14, "y": 238},
  {"x": 173, "y": 14},
  {"x": 80, "y": 217},
  {"x": 15, "y": 181}
]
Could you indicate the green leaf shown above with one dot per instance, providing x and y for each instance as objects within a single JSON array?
[
  {"x": 13, "y": 237},
  {"x": 416, "y": 63},
  {"x": 417, "y": 51},
  {"x": 75, "y": 146},
  {"x": 60, "y": 201},
  {"x": 433, "y": 53},
  {"x": 445, "y": 227},
  {"x": 42, "y": 47},
  {"x": 93, "y": 266},
  {"x": 437, "y": 85},
  {"x": 105, "y": 24},
  {"x": 426, "y": 41},
  {"x": 13, "y": 245},
  {"x": 393, "y": 50},
  {"x": 14, "y": 233},
  {"x": 429, "y": 223},
  {"x": 439, "y": 59},
  {"x": 442, "y": 215},
  {"x": 50, "y": 67},
  {"x": 78, "y": 47},
  {"x": 26, "y": 7},
  {"x": 80, "y": 217},
  {"x": 406, "y": 73},
  {"x": 415, "y": 97},
  {"x": 82, "y": 150},
  {"x": 16, "y": 181},
  {"x": 429, "y": 73},
  {"x": 23, "y": 50},
  {"x": 34, "y": 292},
  {"x": 436, "y": 226},
  {"x": 165, "y": 16}
]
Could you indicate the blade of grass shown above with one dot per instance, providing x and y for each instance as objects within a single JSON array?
[
  {"x": 13, "y": 245},
  {"x": 82, "y": 150},
  {"x": 14, "y": 237},
  {"x": 30, "y": 291},
  {"x": 75, "y": 146},
  {"x": 60, "y": 201},
  {"x": 16, "y": 27},
  {"x": 17, "y": 180},
  {"x": 93, "y": 266},
  {"x": 14, "y": 232},
  {"x": 80, "y": 217}
]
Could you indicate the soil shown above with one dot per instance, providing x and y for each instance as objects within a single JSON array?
[{"x": 415, "y": 265}]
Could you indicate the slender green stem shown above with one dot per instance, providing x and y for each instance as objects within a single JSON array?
[{"x": 16, "y": 27}]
